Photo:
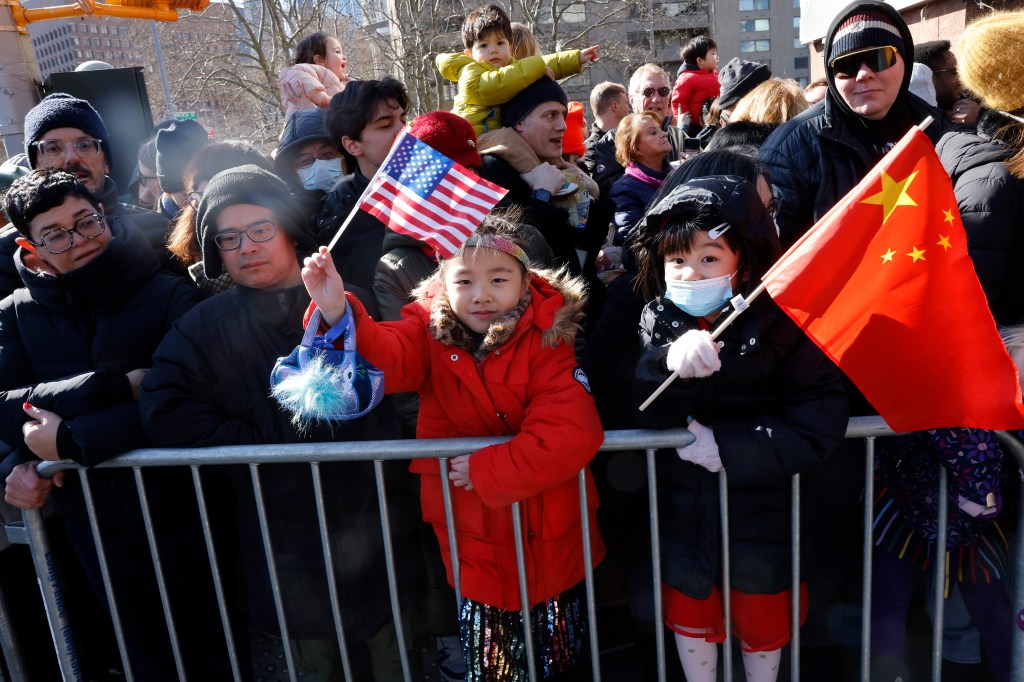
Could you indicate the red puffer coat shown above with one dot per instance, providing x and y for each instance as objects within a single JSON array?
[{"x": 527, "y": 384}]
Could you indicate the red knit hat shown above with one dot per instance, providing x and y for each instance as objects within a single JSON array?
[
  {"x": 575, "y": 130},
  {"x": 449, "y": 134}
]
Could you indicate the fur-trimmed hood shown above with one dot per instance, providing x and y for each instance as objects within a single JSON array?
[{"x": 553, "y": 303}]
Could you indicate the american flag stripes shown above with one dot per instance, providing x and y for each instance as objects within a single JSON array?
[{"x": 422, "y": 193}]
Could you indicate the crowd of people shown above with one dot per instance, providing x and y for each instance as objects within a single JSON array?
[{"x": 156, "y": 318}]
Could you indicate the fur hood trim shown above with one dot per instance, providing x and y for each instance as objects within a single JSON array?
[{"x": 553, "y": 303}]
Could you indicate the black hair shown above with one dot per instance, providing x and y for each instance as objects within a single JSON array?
[
  {"x": 739, "y": 161},
  {"x": 930, "y": 53},
  {"x": 40, "y": 191},
  {"x": 698, "y": 48},
  {"x": 483, "y": 21},
  {"x": 352, "y": 108},
  {"x": 741, "y": 133},
  {"x": 313, "y": 45}
]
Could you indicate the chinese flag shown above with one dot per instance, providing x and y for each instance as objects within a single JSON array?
[{"x": 884, "y": 285}]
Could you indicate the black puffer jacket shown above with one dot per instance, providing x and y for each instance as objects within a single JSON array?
[
  {"x": 777, "y": 408},
  {"x": 991, "y": 203},
  {"x": 151, "y": 224},
  {"x": 819, "y": 156},
  {"x": 359, "y": 249},
  {"x": 210, "y": 386},
  {"x": 104, "y": 318}
]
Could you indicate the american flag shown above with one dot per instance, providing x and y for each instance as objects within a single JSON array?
[{"x": 422, "y": 193}]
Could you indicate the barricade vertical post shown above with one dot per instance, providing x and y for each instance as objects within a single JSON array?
[
  {"x": 449, "y": 517},
  {"x": 275, "y": 584},
  {"x": 865, "y": 619},
  {"x": 588, "y": 572},
  {"x": 108, "y": 585},
  {"x": 218, "y": 585},
  {"x": 158, "y": 570},
  {"x": 794, "y": 616},
  {"x": 10, "y": 644},
  {"x": 1013, "y": 446},
  {"x": 332, "y": 583},
  {"x": 659, "y": 616},
  {"x": 723, "y": 509},
  {"x": 524, "y": 595},
  {"x": 53, "y": 600},
  {"x": 941, "y": 575},
  {"x": 389, "y": 558}
]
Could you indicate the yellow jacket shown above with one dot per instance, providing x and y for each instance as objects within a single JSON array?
[{"x": 483, "y": 88}]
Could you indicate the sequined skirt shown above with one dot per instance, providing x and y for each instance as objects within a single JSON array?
[{"x": 495, "y": 645}]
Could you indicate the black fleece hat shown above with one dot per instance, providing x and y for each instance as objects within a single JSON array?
[
  {"x": 738, "y": 78},
  {"x": 247, "y": 185},
  {"x": 301, "y": 128},
  {"x": 61, "y": 110},
  {"x": 175, "y": 146},
  {"x": 531, "y": 97},
  {"x": 865, "y": 26}
]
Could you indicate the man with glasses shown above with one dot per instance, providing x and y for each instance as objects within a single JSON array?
[
  {"x": 937, "y": 56},
  {"x": 65, "y": 132},
  {"x": 209, "y": 386},
  {"x": 649, "y": 90},
  {"x": 820, "y": 155},
  {"x": 76, "y": 340}
]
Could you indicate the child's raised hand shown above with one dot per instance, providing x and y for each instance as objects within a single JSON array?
[
  {"x": 693, "y": 355},
  {"x": 588, "y": 55},
  {"x": 459, "y": 475},
  {"x": 325, "y": 286}
]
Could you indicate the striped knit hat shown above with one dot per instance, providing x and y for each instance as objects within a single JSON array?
[{"x": 865, "y": 27}]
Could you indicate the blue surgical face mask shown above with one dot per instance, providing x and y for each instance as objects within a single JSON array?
[
  {"x": 701, "y": 297},
  {"x": 321, "y": 175}
]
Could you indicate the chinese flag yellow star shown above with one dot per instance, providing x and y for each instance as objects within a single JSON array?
[
  {"x": 916, "y": 254},
  {"x": 948, "y": 216},
  {"x": 887, "y": 256},
  {"x": 893, "y": 194},
  {"x": 944, "y": 242}
]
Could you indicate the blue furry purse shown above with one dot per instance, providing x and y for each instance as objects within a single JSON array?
[{"x": 317, "y": 382}]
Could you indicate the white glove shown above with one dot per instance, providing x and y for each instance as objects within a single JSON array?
[
  {"x": 703, "y": 451},
  {"x": 544, "y": 176},
  {"x": 693, "y": 354}
]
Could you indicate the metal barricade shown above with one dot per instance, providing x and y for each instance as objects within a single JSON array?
[{"x": 867, "y": 428}]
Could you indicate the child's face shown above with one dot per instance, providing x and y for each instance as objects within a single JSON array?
[
  {"x": 710, "y": 61},
  {"x": 708, "y": 258},
  {"x": 492, "y": 49},
  {"x": 482, "y": 286},
  {"x": 335, "y": 60}
]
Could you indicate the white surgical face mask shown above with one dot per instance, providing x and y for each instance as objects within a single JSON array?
[
  {"x": 701, "y": 297},
  {"x": 321, "y": 175}
]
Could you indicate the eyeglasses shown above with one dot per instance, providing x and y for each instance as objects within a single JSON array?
[
  {"x": 146, "y": 179},
  {"x": 952, "y": 71},
  {"x": 59, "y": 240},
  {"x": 875, "y": 58},
  {"x": 662, "y": 92},
  {"x": 194, "y": 198},
  {"x": 307, "y": 160},
  {"x": 230, "y": 240},
  {"x": 55, "y": 149}
]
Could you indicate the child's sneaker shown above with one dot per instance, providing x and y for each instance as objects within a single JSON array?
[{"x": 451, "y": 662}]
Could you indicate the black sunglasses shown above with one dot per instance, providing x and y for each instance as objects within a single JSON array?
[
  {"x": 875, "y": 58},
  {"x": 663, "y": 92}
]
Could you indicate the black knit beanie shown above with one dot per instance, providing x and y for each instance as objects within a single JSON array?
[
  {"x": 175, "y": 146},
  {"x": 866, "y": 27},
  {"x": 61, "y": 110},
  {"x": 247, "y": 185},
  {"x": 738, "y": 78},
  {"x": 529, "y": 98}
]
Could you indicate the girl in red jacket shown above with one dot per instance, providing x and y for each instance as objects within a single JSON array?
[{"x": 488, "y": 346}]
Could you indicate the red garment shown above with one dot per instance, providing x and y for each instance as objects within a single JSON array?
[
  {"x": 884, "y": 285},
  {"x": 526, "y": 388},
  {"x": 691, "y": 90}
]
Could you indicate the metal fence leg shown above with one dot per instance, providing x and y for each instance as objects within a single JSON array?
[
  {"x": 794, "y": 642},
  {"x": 941, "y": 575},
  {"x": 53, "y": 600},
  {"x": 865, "y": 618},
  {"x": 659, "y": 615},
  {"x": 449, "y": 519},
  {"x": 723, "y": 509},
  {"x": 588, "y": 571},
  {"x": 389, "y": 558},
  {"x": 332, "y": 583},
  {"x": 524, "y": 595}
]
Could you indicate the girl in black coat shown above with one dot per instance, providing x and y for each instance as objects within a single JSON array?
[{"x": 763, "y": 402}]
